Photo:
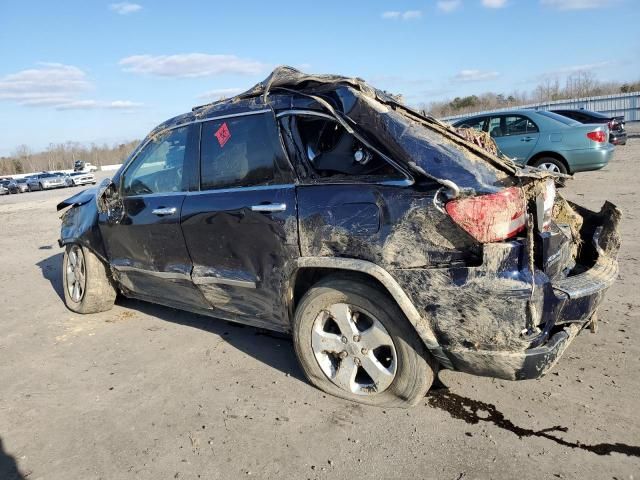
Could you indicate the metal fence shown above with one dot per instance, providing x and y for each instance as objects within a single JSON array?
[{"x": 627, "y": 104}]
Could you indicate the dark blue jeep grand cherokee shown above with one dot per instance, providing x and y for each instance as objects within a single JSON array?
[{"x": 388, "y": 244}]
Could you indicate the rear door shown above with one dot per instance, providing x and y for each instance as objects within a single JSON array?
[
  {"x": 241, "y": 228},
  {"x": 146, "y": 247},
  {"x": 515, "y": 135}
]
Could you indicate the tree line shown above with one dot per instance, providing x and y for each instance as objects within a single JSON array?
[
  {"x": 61, "y": 156},
  {"x": 577, "y": 85}
]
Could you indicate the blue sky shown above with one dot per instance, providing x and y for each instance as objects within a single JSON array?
[{"x": 89, "y": 70}]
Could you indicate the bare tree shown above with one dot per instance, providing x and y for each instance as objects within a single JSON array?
[{"x": 61, "y": 156}]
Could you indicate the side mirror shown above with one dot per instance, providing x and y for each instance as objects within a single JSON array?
[{"x": 109, "y": 201}]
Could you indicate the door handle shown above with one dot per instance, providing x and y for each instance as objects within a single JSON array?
[
  {"x": 269, "y": 208},
  {"x": 164, "y": 211},
  {"x": 526, "y": 139}
]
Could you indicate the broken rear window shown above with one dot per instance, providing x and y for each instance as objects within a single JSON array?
[{"x": 330, "y": 150}]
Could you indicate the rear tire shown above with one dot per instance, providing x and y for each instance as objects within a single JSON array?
[
  {"x": 402, "y": 370},
  {"x": 551, "y": 164},
  {"x": 87, "y": 285}
]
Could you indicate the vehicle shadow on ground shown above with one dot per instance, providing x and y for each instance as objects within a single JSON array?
[
  {"x": 8, "y": 466},
  {"x": 271, "y": 348},
  {"x": 51, "y": 269}
]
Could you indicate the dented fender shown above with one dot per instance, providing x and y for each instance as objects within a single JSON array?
[
  {"x": 80, "y": 222},
  {"x": 423, "y": 329}
]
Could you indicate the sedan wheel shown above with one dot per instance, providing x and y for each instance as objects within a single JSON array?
[
  {"x": 551, "y": 167},
  {"x": 550, "y": 164},
  {"x": 354, "y": 350}
]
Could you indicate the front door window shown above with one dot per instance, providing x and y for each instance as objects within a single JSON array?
[{"x": 159, "y": 167}]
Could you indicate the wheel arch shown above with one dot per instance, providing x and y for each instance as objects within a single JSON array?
[
  {"x": 550, "y": 154},
  {"x": 80, "y": 225},
  {"x": 312, "y": 269}
]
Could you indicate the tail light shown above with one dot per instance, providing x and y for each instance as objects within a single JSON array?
[
  {"x": 597, "y": 136},
  {"x": 490, "y": 218}
]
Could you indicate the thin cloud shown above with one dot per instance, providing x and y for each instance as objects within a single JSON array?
[
  {"x": 577, "y": 4},
  {"x": 123, "y": 105},
  {"x": 53, "y": 85},
  {"x": 474, "y": 76},
  {"x": 50, "y": 84},
  {"x": 190, "y": 65},
  {"x": 586, "y": 67},
  {"x": 448, "y": 6},
  {"x": 219, "y": 93},
  {"x": 494, "y": 3},
  {"x": 96, "y": 104},
  {"x": 406, "y": 15},
  {"x": 125, "y": 8}
]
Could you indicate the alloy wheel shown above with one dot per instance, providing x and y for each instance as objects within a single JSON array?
[
  {"x": 354, "y": 349},
  {"x": 551, "y": 167},
  {"x": 76, "y": 274}
]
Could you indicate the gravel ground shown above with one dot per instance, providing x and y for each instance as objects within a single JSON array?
[{"x": 148, "y": 392}]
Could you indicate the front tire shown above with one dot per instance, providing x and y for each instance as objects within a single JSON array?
[
  {"x": 87, "y": 285},
  {"x": 354, "y": 342}
]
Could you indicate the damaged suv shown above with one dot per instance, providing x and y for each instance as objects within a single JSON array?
[{"x": 387, "y": 243}]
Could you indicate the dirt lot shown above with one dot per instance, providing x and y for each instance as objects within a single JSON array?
[{"x": 149, "y": 392}]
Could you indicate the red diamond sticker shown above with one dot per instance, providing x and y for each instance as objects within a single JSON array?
[{"x": 223, "y": 134}]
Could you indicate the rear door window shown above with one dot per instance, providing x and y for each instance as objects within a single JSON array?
[
  {"x": 329, "y": 151},
  {"x": 240, "y": 152}
]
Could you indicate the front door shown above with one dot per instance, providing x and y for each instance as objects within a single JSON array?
[
  {"x": 240, "y": 228},
  {"x": 146, "y": 246}
]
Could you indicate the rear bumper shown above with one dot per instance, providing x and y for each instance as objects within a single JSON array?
[
  {"x": 588, "y": 159},
  {"x": 569, "y": 306},
  {"x": 483, "y": 316}
]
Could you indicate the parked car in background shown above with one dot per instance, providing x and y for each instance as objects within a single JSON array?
[
  {"x": 4, "y": 190},
  {"x": 11, "y": 185},
  {"x": 45, "y": 181},
  {"x": 617, "y": 133},
  {"x": 80, "y": 166},
  {"x": 80, "y": 178},
  {"x": 22, "y": 185},
  {"x": 545, "y": 140},
  {"x": 387, "y": 245}
]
